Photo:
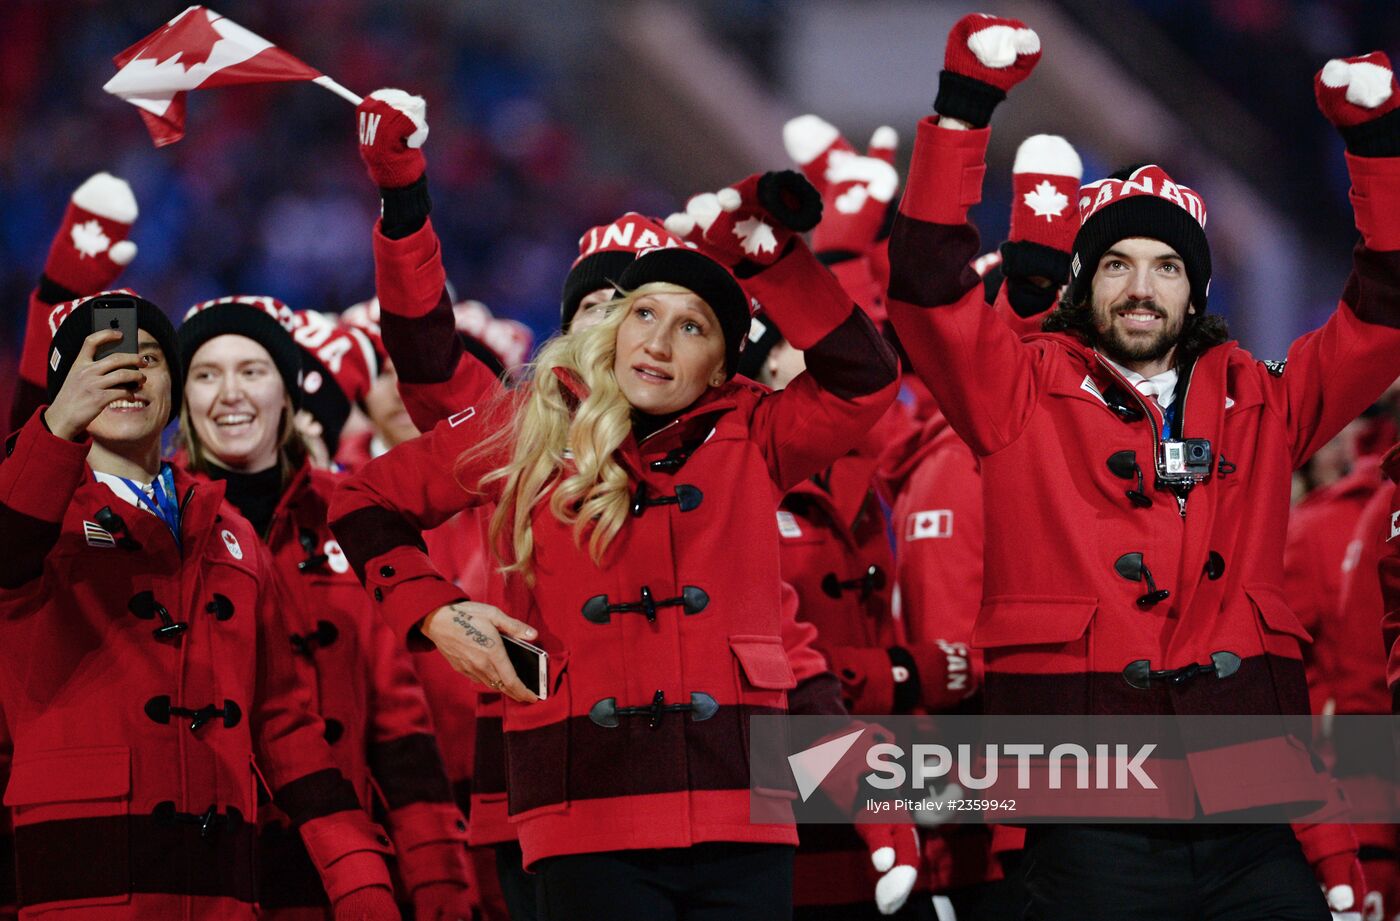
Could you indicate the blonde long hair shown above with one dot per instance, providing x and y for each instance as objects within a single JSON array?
[{"x": 549, "y": 427}]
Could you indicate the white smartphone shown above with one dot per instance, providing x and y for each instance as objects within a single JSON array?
[{"x": 531, "y": 664}]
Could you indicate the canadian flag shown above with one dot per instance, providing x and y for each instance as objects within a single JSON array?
[
  {"x": 198, "y": 49},
  {"x": 930, "y": 523}
]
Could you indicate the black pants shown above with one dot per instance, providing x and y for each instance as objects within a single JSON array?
[
  {"x": 918, "y": 908},
  {"x": 707, "y": 882},
  {"x": 517, "y": 887},
  {"x": 1169, "y": 873}
]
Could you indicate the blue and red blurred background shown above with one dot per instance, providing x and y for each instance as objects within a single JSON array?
[{"x": 549, "y": 116}]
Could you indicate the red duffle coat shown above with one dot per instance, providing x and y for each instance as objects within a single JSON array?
[
  {"x": 1388, "y": 570},
  {"x": 133, "y": 786},
  {"x": 938, "y": 531},
  {"x": 363, "y": 686},
  {"x": 1319, "y": 536},
  {"x": 1358, "y": 643},
  {"x": 575, "y": 785},
  {"x": 1059, "y": 625},
  {"x": 437, "y": 379},
  {"x": 836, "y": 556}
]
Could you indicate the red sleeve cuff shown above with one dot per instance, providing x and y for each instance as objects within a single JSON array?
[
  {"x": 408, "y": 588},
  {"x": 946, "y": 173},
  {"x": 1375, "y": 200},
  {"x": 431, "y": 842},
  {"x": 803, "y": 296},
  {"x": 348, "y": 850},
  {"x": 408, "y": 273},
  {"x": 867, "y": 679},
  {"x": 39, "y": 477}
]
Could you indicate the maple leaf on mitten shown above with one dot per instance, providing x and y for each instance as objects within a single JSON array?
[
  {"x": 1045, "y": 179},
  {"x": 1046, "y": 201},
  {"x": 858, "y": 193},
  {"x": 810, "y": 141},
  {"x": 90, "y": 248},
  {"x": 757, "y": 219}
]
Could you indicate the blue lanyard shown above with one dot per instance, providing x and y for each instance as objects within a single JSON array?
[{"x": 165, "y": 507}]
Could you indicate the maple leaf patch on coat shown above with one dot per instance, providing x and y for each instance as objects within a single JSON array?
[{"x": 1046, "y": 200}]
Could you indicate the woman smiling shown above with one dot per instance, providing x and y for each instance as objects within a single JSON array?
[
  {"x": 635, "y": 483},
  {"x": 243, "y": 380}
]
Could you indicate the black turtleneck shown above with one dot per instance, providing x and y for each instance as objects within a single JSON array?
[
  {"x": 254, "y": 494},
  {"x": 645, "y": 424}
]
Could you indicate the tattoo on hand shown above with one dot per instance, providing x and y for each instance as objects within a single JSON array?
[{"x": 465, "y": 622}]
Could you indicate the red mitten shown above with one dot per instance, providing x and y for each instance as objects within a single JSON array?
[
  {"x": 1382, "y": 877},
  {"x": 392, "y": 127},
  {"x": 884, "y": 144},
  {"x": 947, "y": 675},
  {"x": 443, "y": 902},
  {"x": 895, "y": 854},
  {"x": 1331, "y": 850},
  {"x": 810, "y": 140},
  {"x": 856, "y": 192},
  {"x": 91, "y": 249},
  {"x": 1351, "y": 91},
  {"x": 1342, "y": 881},
  {"x": 1044, "y": 220},
  {"x": 371, "y": 903},
  {"x": 749, "y": 225},
  {"x": 985, "y": 57},
  {"x": 1045, "y": 183}
]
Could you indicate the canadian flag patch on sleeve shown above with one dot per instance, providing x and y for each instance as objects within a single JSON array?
[
  {"x": 931, "y": 523},
  {"x": 1394, "y": 526}
]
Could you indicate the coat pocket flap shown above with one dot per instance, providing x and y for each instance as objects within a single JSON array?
[
  {"x": 765, "y": 661},
  {"x": 1029, "y": 621},
  {"x": 70, "y": 775},
  {"x": 1275, "y": 612}
]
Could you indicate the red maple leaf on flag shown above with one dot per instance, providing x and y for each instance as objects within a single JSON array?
[
  {"x": 191, "y": 39},
  {"x": 157, "y": 73}
]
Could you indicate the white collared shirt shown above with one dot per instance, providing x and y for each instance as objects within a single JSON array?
[
  {"x": 1160, "y": 387},
  {"x": 123, "y": 490}
]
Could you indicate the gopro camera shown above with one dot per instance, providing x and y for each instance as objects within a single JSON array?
[{"x": 1185, "y": 462}]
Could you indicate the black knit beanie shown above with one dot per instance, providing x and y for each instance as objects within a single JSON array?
[
  {"x": 1145, "y": 204},
  {"x": 253, "y": 323}
]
